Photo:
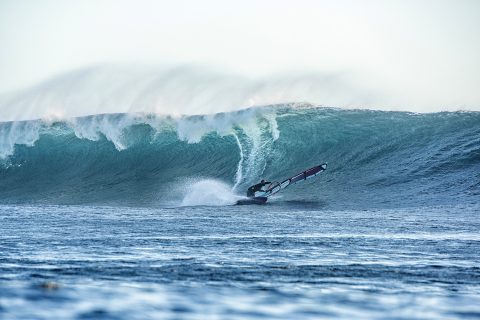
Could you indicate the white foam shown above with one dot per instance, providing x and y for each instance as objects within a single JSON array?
[
  {"x": 192, "y": 129},
  {"x": 23, "y": 132},
  {"x": 238, "y": 173},
  {"x": 111, "y": 127}
]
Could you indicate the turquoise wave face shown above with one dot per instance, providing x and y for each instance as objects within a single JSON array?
[{"x": 376, "y": 158}]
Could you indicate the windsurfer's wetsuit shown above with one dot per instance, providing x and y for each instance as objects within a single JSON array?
[{"x": 257, "y": 187}]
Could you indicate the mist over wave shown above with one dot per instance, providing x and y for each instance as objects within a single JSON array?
[
  {"x": 375, "y": 158},
  {"x": 183, "y": 90}
]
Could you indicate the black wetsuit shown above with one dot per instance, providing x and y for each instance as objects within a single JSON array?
[{"x": 257, "y": 187}]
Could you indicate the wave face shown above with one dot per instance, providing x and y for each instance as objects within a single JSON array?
[{"x": 376, "y": 158}]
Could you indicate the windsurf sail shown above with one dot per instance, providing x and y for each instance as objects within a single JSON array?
[{"x": 275, "y": 187}]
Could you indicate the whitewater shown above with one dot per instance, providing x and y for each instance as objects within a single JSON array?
[{"x": 130, "y": 214}]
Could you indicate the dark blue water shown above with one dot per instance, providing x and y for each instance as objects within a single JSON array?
[
  {"x": 239, "y": 262},
  {"x": 131, "y": 216}
]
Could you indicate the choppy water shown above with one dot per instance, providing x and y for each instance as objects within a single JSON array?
[{"x": 291, "y": 261}]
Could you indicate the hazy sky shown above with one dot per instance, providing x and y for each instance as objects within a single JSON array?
[{"x": 420, "y": 53}]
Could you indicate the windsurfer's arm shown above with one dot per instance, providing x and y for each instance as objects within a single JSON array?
[{"x": 263, "y": 184}]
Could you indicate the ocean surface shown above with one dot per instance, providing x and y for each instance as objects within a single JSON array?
[{"x": 133, "y": 216}]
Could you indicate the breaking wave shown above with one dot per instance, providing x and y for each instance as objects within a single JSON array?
[{"x": 376, "y": 158}]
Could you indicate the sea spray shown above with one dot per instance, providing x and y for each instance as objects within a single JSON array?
[
  {"x": 209, "y": 192},
  {"x": 238, "y": 174},
  {"x": 184, "y": 90}
]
